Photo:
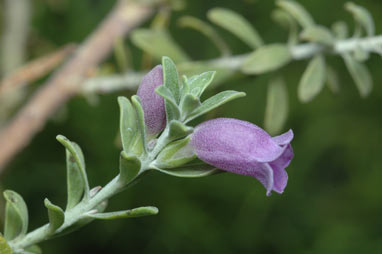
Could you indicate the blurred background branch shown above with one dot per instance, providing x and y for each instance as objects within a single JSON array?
[{"x": 66, "y": 81}]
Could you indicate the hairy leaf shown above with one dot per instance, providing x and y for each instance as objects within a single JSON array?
[
  {"x": 16, "y": 215},
  {"x": 362, "y": 16},
  {"x": 267, "y": 58},
  {"x": 276, "y": 111},
  {"x": 191, "y": 170},
  {"x": 133, "y": 213},
  {"x": 175, "y": 154},
  {"x": 56, "y": 216},
  {"x": 297, "y": 11},
  {"x": 136, "y": 101},
  {"x": 158, "y": 42},
  {"x": 129, "y": 166},
  {"x": 312, "y": 80},
  {"x": 128, "y": 123},
  {"x": 360, "y": 75},
  {"x": 236, "y": 24}
]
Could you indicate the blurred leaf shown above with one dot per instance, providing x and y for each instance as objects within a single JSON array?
[
  {"x": 158, "y": 43},
  {"x": 360, "y": 54},
  {"x": 34, "y": 249},
  {"x": 267, "y": 58},
  {"x": 312, "y": 80},
  {"x": 360, "y": 75},
  {"x": 362, "y": 16},
  {"x": 133, "y": 213},
  {"x": 236, "y": 24},
  {"x": 121, "y": 55},
  {"x": 128, "y": 123},
  {"x": 188, "y": 104},
  {"x": 276, "y": 111},
  {"x": 319, "y": 34},
  {"x": 340, "y": 30},
  {"x": 56, "y": 216},
  {"x": 175, "y": 154},
  {"x": 16, "y": 215},
  {"x": 297, "y": 11},
  {"x": 284, "y": 19},
  {"x": 129, "y": 166},
  {"x": 178, "y": 129},
  {"x": 332, "y": 79},
  {"x": 206, "y": 30},
  {"x": 199, "y": 83},
  {"x": 4, "y": 247},
  {"x": 191, "y": 170},
  {"x": 74, "y": 155},
  {"x": 136, "y": 101},
  {"x": 214, "y": 102}
]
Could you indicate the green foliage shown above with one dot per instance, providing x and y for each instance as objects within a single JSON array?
[
  {"x": 236, "y": 24},
  {"x": 4, "y": 247},
  {"x": 312, "y": 80},
  {"x": 267, "y": 58},
  {"x": 16, "y": 216},
  {"x": 133, "y": 213},
  {"x": 56, "y": 216},
  {"x": 296, "y": 10},
  {"x": 276, "y": 110}
]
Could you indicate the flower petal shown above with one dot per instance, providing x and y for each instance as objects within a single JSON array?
[
  {"x": 284, "y": 139},
  {"x": 152, "y": 103},
  {"x": 280, "y": 176},
  {"x": 265, "y": 175},
  {"x": 225, "y": 139}
]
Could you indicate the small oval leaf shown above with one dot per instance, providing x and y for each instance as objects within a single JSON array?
[
  {"x": 199, "y": 83},
  {"x": 76, "y": 156},
  {"x": 158, "y": 42},
  {"x": 332, "y": 79},
  {"x": 128, "y": 123},
  {"x": 191, "y": 171},
  {"x": 268, "y": 58},
  {"x": 16, "y": 215},
  {"x": 136, "y": 101},
  {"x": 276, "y": 111},
  {"x": 297, "y": 11},
  {"x": 178, "y": 129},
  {"x": 360, "y": 75},
  {"x": 362, "y": 16},
  {"x": 236, "y": 24},
  {"x": 129, "y": 166},
  {"x": 312, "y": 80},
  {"x": 133, "y": 213},
  {"x": 175, "y": 154},
  {"x": 319, "y": 34},
  {"x": 214, "y": 102},
  {"x": 56, "y": 216}
]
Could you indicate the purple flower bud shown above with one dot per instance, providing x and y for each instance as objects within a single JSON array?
[
  {"x": 243, "y": 148},
  {"x": 152, "y": 103}
]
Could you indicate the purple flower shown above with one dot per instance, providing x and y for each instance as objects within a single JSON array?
[
  {"x": 152, "y": 103},
  {"x": 243, "y": 148}
]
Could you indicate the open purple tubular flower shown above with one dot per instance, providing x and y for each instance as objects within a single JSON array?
[
  {"x": 243, "y": 148},
  {"x": 152, "y": 103}
]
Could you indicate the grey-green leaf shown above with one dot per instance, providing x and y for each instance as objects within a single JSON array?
[
  {"x": 286, "y": 20},
  {"x": 340, "y": 30},
  {"x": 175, "y": 154},
  {"x": 236, "y": 24},
  {"x": 332, "y": 79},
  {"x": 360, "y": 75},
  {"x": 276, "y": 111},
  {"x": 75, "y": 156},
  {"x": 214, "y": 102},
  {"x": 188, "y": 104},
  {"x": 312, "y": 80},
  {"x": 128, "y": 123},
  {"x": 16, "y": 215},
  {"x": 129, "y": 166},
  {"x": 178, "y": 129},
  {"x": 133, "y": 213},
  {"x": 56, "y": 216},
  {"x": 267, "y": 58},
  {"x": 34, "y": 249},
  {"x": 172, "y": 109},
  {"x": 206, "y": 30},
  {"x": 75, "y": 182},
  {"x": 136, "y": 101},
  {"x": 319, "y": 34},
  {"x": 199, "y": 83},
  {"x": 158, "y": 42},
  {"x": 297, "y": 11},
  {"x": 171, "y": 78},
  {"x": 191, "y": 170},
  {"x": 362, "y": 16},
  {"x": 4, "y": 246}
]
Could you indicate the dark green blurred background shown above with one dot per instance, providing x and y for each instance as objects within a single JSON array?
[{"x": 333, "y": 201}]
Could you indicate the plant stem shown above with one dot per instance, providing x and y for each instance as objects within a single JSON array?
[
  {"x": 131, "y": 80},
  {"x": 71, "y": 216}
]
